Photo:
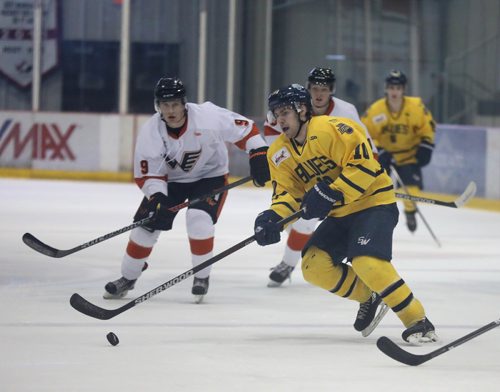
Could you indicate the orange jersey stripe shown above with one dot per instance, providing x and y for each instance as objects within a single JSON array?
[
  {"x": 140, "y": 181},
  {"x": 268, "y": 131},
  {"x": 242, "y": 143}
]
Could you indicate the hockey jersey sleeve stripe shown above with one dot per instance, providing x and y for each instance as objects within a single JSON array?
[
  {"x": 141, "y": 181},
  {"x": 243, "y": 142},
  {"x": 281, "y": 203},
  {"x": 385, "y": 189},
  {"x": 269, "y": 131},
  {"x": 366, "y": 170},
  {"x": 351, "y": 184},
  {"x": 426, "y": 143}
]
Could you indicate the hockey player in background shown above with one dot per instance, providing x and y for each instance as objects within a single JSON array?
[
  {"x": 403, "y": 130},
  {"x": 321, "y": 86},
  {"x": 324, "y": 166},
  {"x": 180, "y": 155}
]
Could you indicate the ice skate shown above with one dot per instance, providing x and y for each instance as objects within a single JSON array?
[
  {"x": 367, "y": 318},
  {"x": 200, "y": 288},
  {"x": 118, "y": 288},
  {"x": 411, "y": 220},
  {"x": 421, "y": 332},
  {"x": 279, "y": 274}
]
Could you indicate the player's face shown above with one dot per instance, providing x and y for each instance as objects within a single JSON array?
[
  {"x": 287, "y": 119},
  {"x": 395, "y": 92},
  {"x": 320, "y": 97},
  {"x": 173, "y": 112}
]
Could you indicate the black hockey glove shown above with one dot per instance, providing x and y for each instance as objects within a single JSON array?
[
  {"x": 385, "y": 159},
  {"x": 319, "y": 200},
  {"x": 266, "y": 230},
  {"x": 424, "y": 153},
  {"x": 157, "y": 205},
  {"x": 259, "y": 168}
]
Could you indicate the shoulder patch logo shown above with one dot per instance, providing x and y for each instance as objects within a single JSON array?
[
  {"x": 344, "y": 128},
  {"x": 379, "y": 118},
  {"x": 281, "y": 155}
]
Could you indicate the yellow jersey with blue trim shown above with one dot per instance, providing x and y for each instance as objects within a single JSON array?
[
  {"x": 400, "y": 133},
  {"x": 336, "y": 151}
]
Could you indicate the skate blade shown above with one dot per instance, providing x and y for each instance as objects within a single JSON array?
[
  {"x": 419, "y": 340},
  {"x": 198, "y": 299},
  {"x": 378, "y": 318},
  {"x": 272, "y": 283},
  {"x": 107, "y": 295}
]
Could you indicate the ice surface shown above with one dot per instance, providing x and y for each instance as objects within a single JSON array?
[{"x": 245, "y": 336}]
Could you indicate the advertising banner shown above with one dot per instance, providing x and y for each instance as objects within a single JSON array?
[
  {"x": 16, "y": 39},
  {"x": 50, "y": 141}
]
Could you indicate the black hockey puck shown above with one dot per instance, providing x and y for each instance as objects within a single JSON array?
[{"x": 112, "y": 338}]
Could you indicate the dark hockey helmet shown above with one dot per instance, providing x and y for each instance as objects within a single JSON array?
[
  {"x": 169, "y": 88},
  {"x": 293, "y": 95},
  {"x": 321, "y": 76},
  {"x": 396, "y": 77}
]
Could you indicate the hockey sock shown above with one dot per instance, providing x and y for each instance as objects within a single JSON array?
[
  {"x": 319, "y": 270},
  {"x": 414, "y": 191},
  {"x": 294, "y": 246},
  {"x": 200, "y": 229},
  {"x": 381, "y": 276},
  {"x": 201, "y": 250},
  {"x": 134, "y": 259}
]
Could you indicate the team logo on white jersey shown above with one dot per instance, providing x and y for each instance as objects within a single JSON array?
[
  {"x": 189, "y": 159},
  {"x": 241, "y": 123},
  {"x": 280, "y": 155},
  {"x": 379, "y": 118}
]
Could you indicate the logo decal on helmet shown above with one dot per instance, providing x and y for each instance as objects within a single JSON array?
[
  {"x": 322, "y": 77},
  {"x": 293, "y": 95},
  {"x": 396, "y": 77},
  {"x": 169, "y": 88}
]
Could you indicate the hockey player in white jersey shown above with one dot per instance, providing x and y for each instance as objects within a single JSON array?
[
  {"x": 180, "y": 155},
  {"x": 321, "y": 86}
]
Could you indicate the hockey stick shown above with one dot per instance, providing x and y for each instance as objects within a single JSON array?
[
  {"x": 41, "y": 247},
  {"x": 85, "y": 307},
  {"x": 391, "y": 349},
  {"x": 461, "y": 200},
  {"x": 398, "y": 178}
]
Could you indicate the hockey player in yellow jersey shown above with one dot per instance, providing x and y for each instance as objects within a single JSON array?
[
  {"x": 321, "y": 84},
  {"x": 403, "y": 131},
  {"x": 324, "y": 166}
]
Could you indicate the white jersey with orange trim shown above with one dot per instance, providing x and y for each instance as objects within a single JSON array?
[
  {"x": 336, "y": 108},
  {"x": 198, "y": 151}
]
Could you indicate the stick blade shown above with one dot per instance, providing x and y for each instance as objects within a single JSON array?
[
  {"x": 391, "y": 349},
  {"x": 83, "y": 306},
  {"x": 467, "y": 195},
  {"x": 39, "y": 246}
]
